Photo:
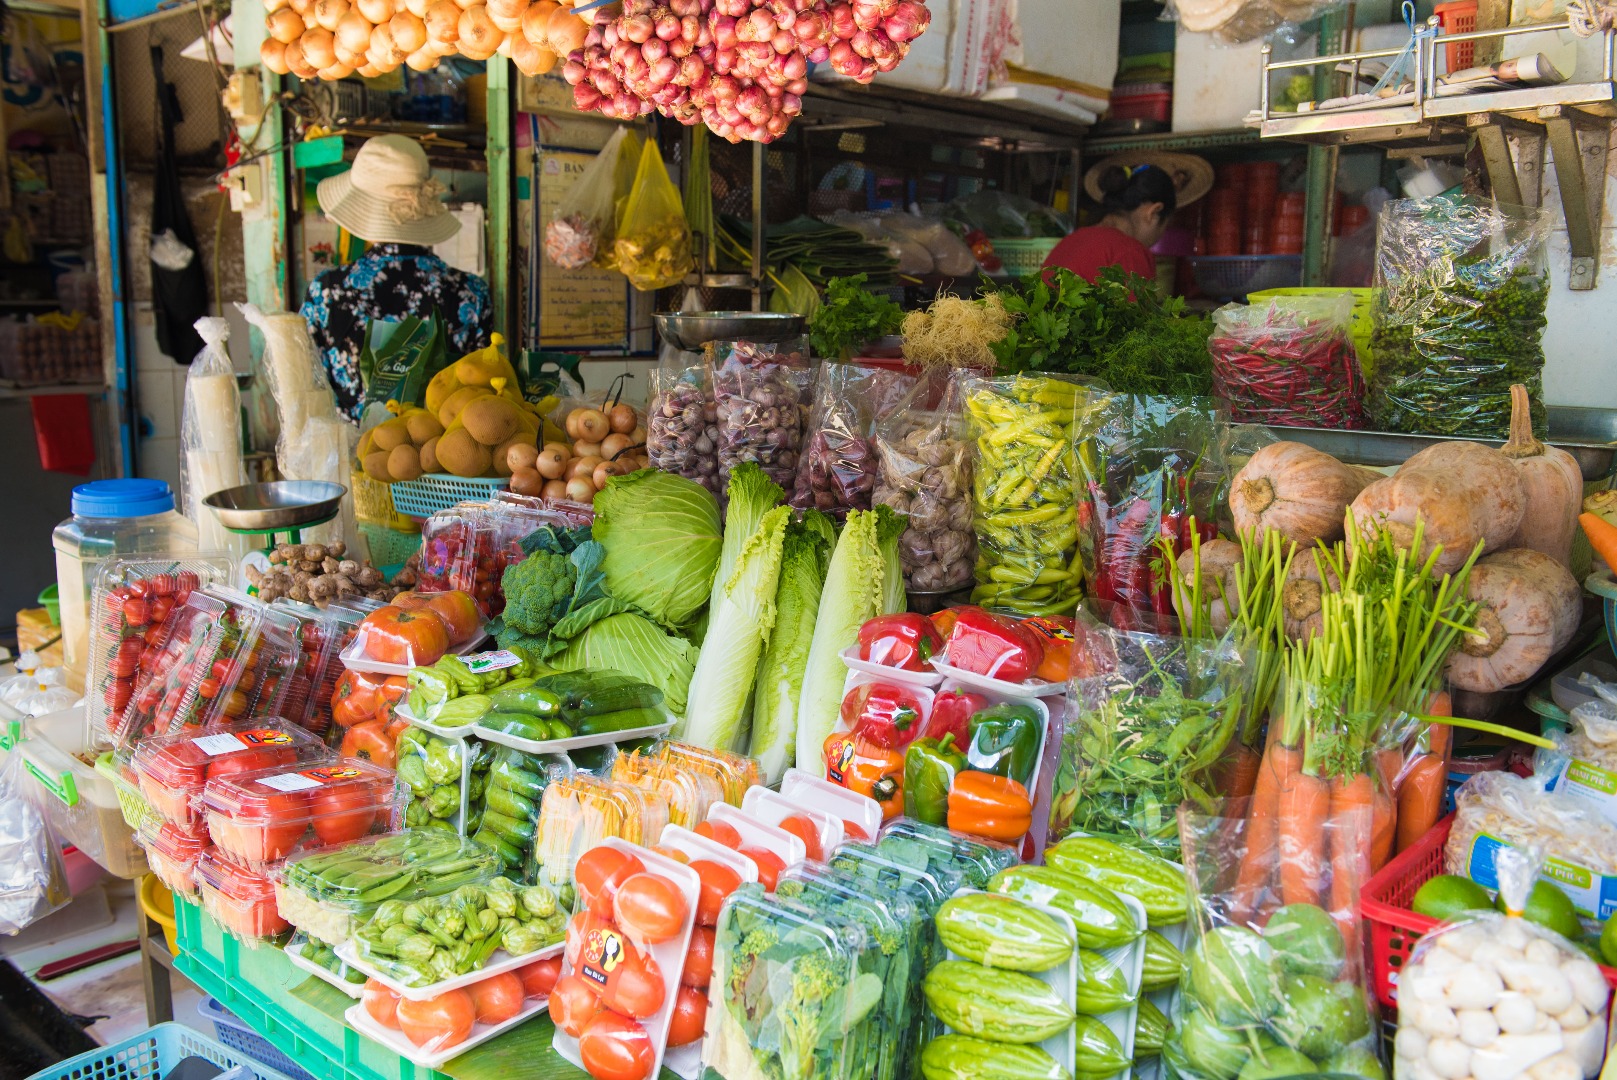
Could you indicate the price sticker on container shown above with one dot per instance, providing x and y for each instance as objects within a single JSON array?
[{"x": 496, "y": 660}]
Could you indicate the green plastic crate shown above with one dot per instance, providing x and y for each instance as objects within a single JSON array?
[{"x": 303, "y": 1016}]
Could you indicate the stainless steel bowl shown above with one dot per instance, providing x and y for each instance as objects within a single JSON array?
[
  {"x": 284, "y": 504},
  {"x": 690, "y": 330}
]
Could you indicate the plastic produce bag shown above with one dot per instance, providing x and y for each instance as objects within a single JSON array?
[
  {"x": 1496, "y": 995},
  {"x": 1282, "y": 984},
  {"x": 759, "y": 393},
  {"x": 837, "y": 471},
  {"x": 1459, "y": 316},
  {"x": 1143, "y": 736},
  {"x": 210, "y": 437},
  {"x": 582, "y": 230},
  {"x": 33, "y": 879},
  {"x": 653, "y": 243},
  {"x": 1149, "y": 466},
  {"x": 1288, "y": 362},
  {"x": 923, "y": 470},
  {"x": 1496, "y": 810},
  {"x": 316, "y": 441},
  {"x": 682, "y": 422},
  {"x": 1585, "y": 759},
  {"x": 1024, "y": 489}
]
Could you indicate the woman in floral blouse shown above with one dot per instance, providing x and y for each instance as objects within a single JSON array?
[{"x": 389, "y": 200}]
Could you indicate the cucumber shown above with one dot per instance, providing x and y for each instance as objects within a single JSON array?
[
  {"x": 622, "y": 720},
  {"x": 504, "y": 801}
]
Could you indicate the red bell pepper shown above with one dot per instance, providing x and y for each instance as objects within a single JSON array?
[
  {"x": 988, "y": 644},
  {"x": 952, "y": 710},
  {"x": 884, "y": 714},
  {"x": 904, "y": 641}
]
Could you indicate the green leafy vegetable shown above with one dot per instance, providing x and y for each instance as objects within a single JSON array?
[
  {"x": 742, "y": 616},
  {"x": 851, "y": 317},
  {"x": 636, "y": 646},
  {"x": 549, "y": 584},
  {"x": 857, "y": 588},
  {"x": 661, "y": 533},
  {"x": 1118, "y": 329},
  {"x": 805, "y": 554}
]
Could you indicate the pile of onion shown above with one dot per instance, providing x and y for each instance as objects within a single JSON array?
[
  {"x": 738, "y": 66},
  {"x": 332, "y": 39}
]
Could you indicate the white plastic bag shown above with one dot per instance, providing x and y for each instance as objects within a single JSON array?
[
  {"x": 316, "y": 441},
  {"x": 210, "y": 437},
  {"x": 1497, "y": 996},
  {"x": 33, "y": 879}
]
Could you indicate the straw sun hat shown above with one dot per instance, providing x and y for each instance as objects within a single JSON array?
[{"x": 389, "y": 196}]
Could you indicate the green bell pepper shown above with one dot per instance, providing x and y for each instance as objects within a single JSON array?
[
  {"x": 1005, "y": 740},
  {"x": 930, "y": 766}
]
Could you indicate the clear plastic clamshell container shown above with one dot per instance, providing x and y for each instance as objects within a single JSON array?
[
  {"x": 196, "y": 672},
  {"x": 239, "y": 898},
  {"x": 172, "y": 854},
  {"x": 328, "y": 892},
  {"x": 895, "y": 932},
  {"x": 173, "y": 769},
  {"x": 580, "y": 811},
  {"x": 320, "y": 635},
  {"x": 689, "y": 792},
  {"x": 131, "y": 602},
  {"x": 512, "y": 792},
  {"x": 446, "y": 775},
  {"x": 750, "y": 983},
  {"x": 261, "y": 817},
  {"x": 321, "y": 960},
  {"x": 950, "y": 856},
  {"x": 736, "y": 773}
]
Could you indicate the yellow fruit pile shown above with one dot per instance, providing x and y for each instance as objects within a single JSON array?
[{"x": 474, "y": 413}]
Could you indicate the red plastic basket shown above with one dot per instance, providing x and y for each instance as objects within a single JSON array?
[
  {"x": 1458, "y": 17},
  {"x": 1394, "y": 929}
]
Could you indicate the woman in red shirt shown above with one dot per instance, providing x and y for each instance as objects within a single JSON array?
[{"x": 1137, "y": 204}]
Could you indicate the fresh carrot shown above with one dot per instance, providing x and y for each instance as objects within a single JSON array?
[
  {"x": 1602, "y": 536},
  {"x": 1305, "y": 805},
  {"x": 1420, "y": 799},
  {"x": 1383, "y": 828},
  {"x": 1352, "y": 806},
  {"x": 1237, "y": 773},
  {"x": 1280, "y": 763}
]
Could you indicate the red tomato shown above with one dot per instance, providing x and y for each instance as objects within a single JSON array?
[
  {"x": 689, "y": 1017},
  {"x": 438, "y": 1022},
  {"x": 136, "y": 612},
  {"x": 717, "y": 882},
  {"x": 381, "y": 1003},
  {"x": 635, "y": 986},
  {"x": 769, "y": 866},
  {"x": 804, "y": 828},
  {"x": 539, "y": 978},
  {"x": 670, "y": 853},
  {"x": 356, "y": 699},
  {"x": 650, "y": 907},
  {"x": 852, "y": 831},
  {"x": 269, "y": 831},
  {"x": 369, "y": 741},
  {"x": 614, "y": 1047},
  {"x": 573, "y": 1003},
  {"x": 396, "y": 636},
  {"x": 263, "y": 757},
  {"x": 459, "y": 613},
  {"x": 699, "y": 959},
  {"x": 497, "y": 998},
  {"x": 600, "y": 872},
  {"x": 719, "y": 833},
  {"x": 344, "y": 814}
]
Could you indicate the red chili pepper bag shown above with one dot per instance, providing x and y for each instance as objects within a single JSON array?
[{"x": 1289, "y": 362}]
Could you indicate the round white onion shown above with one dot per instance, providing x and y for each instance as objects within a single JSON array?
[
  {"x": 354, "y": 33},
  {"x": 272, "y": 54},
  {"x": 409, "y": 32},
  {"x": 319, "y": 48},
  {"x": 285, "y": 26}
]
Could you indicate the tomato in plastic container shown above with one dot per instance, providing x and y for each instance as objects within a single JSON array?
[
  {"x": 172, "y": 854},
  {"x": 414, "y": 631},
  {"x": 261, "y": 817},
  {"x": 173, "y": 769},
  {"x": 324, "y": 635},
  {"x": 256, "y": 683},
  {"x": 132, "y": 603},
  {"x": 238, "y": 898},
  {"x": 198, "y": 667}
]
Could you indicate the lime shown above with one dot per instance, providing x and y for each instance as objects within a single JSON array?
[
  {"x": 1355, "y": 1061},
  {"x": 1306, "y": 940},
  {"x": 1550, "y": 908},
  {"x": 1448, "y": 895},
  {"x": 1278, "y": 1062},
  {"x": 1608, "y": 941}
]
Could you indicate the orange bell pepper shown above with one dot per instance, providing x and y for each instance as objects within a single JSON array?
[
  {"x": 863, "y": 767},
  {"x": 990, "y": 806}
]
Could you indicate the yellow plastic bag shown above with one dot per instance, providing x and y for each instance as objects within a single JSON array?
[{"x": 653, "y": 245}]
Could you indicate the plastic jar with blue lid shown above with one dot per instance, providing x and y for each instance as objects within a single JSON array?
[{"x": 111, "y": 518}]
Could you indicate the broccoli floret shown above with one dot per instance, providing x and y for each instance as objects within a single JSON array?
[{"x": 537, "y": 592}]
